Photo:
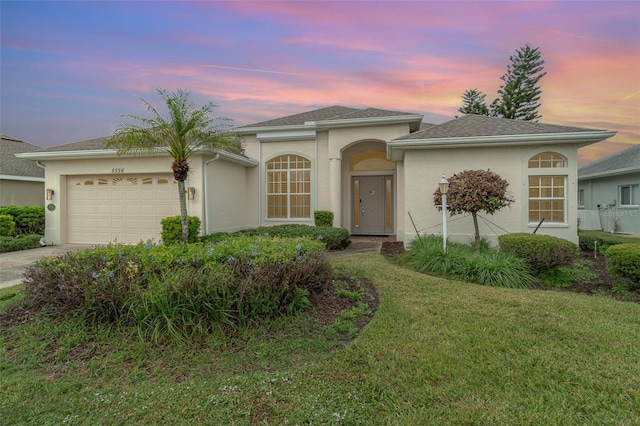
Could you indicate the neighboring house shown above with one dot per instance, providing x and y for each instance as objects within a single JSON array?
[
  {"x": 609, "y": 192},
  {"x": 21, "y": 180},
  {"x": 370, "y": 167}
]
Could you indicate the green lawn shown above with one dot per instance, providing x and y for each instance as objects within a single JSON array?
[{"x": 436, "y": 352}]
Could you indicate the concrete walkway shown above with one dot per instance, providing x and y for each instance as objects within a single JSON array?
[{"x": 13, "y": 264}]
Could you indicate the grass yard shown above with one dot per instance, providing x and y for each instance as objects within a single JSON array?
[{"x": 436, "y": 352}]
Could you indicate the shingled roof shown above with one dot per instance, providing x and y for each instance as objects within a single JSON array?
[
  {"x": 328, "y": 114},
  {"x": 10, "y": 165},
  {"x": 620, "y": 162},
  {"x": 87, "y": 145},
  {"x": 472, "y": 125}
]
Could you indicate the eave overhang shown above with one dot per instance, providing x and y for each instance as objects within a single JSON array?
[
  {"x": 396, "y": 148},
  {"x": 113, "y": 153},
  {"x": 307, "y": 130},
  {"x": 22, "y": 178},
  {"x": 413, "y": 120}
]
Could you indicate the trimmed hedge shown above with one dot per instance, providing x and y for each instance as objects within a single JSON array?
[
  {"x": 623, "y": 260},
  {"x": 172, "y": 229},
  {"x": 28, "y": 219},
  {"x": 7, "y": 225},
  {"x": 542, "y": 252},
  {"x": 588, "y": 240},
  {"x": 21, "y": 242},
  {"x": 323, "y": 218},
  {"x": 333, "y": 238}
]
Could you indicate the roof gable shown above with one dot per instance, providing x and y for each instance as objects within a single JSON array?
[{"x": 623, "y": 161}]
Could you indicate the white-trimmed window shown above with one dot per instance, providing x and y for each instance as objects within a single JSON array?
[
  {"x": 289, "y": 187},
  {"x": 580, "y": 198},
  {"x": 628, "y": 195},
  {"x": 547, "y": 188}
]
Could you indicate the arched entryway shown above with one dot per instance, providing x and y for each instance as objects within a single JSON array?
[{"x": 371, "y": 180}]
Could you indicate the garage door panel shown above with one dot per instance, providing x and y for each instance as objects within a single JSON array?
[
  {"x": 123, "y": 208},
  {"x": 132, "y": 209}
]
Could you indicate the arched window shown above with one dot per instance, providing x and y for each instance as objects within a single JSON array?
[
  {"x": 548, "y": 188},
  {"x": 289, "y": 187}
]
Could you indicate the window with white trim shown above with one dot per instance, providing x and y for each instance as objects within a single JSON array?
[
  {"x": 547, "y": 188},
  {"x": 628, "y": 195},
  {"x": 581, "y": 198},
  {"x": 289, "y": 187}
]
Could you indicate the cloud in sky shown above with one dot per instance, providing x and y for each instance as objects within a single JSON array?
[{"x": 70, "y": 69}]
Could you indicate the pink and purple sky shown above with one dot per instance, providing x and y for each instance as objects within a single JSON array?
[{"x": 70, "y": 69}]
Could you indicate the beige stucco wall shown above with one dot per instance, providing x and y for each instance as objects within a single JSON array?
[
  {"x": 225, "y": 186},
  {"x": 21, "y": 193},
  {"x": 423, "y": 170},
  {"x": 330, "y": 169}
]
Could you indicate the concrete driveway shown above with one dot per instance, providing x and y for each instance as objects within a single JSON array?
[{"x": 13, "y": 264}]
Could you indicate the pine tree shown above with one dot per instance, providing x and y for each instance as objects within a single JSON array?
[
  {"x": 520, "y": 93},
  {"x": 473, "y": 103}
]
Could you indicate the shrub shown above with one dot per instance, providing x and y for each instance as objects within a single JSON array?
[
  {"x": 182, "y": 290},
  {"x": 7, "y": 225},
  {"x": 323, "y": 218},
  {"x": 490, "y": 267},
  {"x": 21, "y": 242},
  {"x": 333, "y": 238},
  {"x": 542, "y": 252},
  {"x": 172, "y": 229},
  {"x": 589, "y": 239},
  {"x": 28, "y": 219},
  {"x": 623, "y": 260}
]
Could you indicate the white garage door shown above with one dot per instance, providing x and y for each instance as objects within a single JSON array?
[{"x": 122, "y": 208}]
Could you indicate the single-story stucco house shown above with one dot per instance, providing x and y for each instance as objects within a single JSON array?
[
  {"x": 609, "y": 193},
  {"x": 21, "y": 180},
  {"x": 372, "y": 168}
]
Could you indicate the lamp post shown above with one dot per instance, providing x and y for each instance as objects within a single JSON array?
[{"x": 444, "y": 188}]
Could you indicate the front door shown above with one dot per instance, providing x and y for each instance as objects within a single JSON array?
[{"x": 369, "y": 203}]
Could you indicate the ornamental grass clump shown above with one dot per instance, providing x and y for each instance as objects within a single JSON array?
[
  {"x": 463, "y": 262},
  {"x": 181, "y": 290}
]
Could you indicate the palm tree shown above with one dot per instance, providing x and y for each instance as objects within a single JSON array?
[{"x": 186, "y": 130}]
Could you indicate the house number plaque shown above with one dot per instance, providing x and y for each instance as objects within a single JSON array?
[
  {"x": 117, "y": 170},
  {"x": 51, "y": 207}
]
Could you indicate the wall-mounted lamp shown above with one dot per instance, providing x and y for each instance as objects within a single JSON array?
[
  {"x": 191, "y": 193},
  {"x": 50, "y": 193}
]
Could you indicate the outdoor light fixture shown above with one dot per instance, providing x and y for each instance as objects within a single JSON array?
[
  {"x": 444, "y": 188},
  {"x": 191, "y": 193},
  {"x": 50, "y": 193}
]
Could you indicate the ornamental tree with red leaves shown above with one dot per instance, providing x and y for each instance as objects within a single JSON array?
[{"x": 473, "y": 191}]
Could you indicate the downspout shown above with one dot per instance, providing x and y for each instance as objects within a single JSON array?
[
  {"x": 315, "y": 178},
  {"x": 206, "y": 194}
]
